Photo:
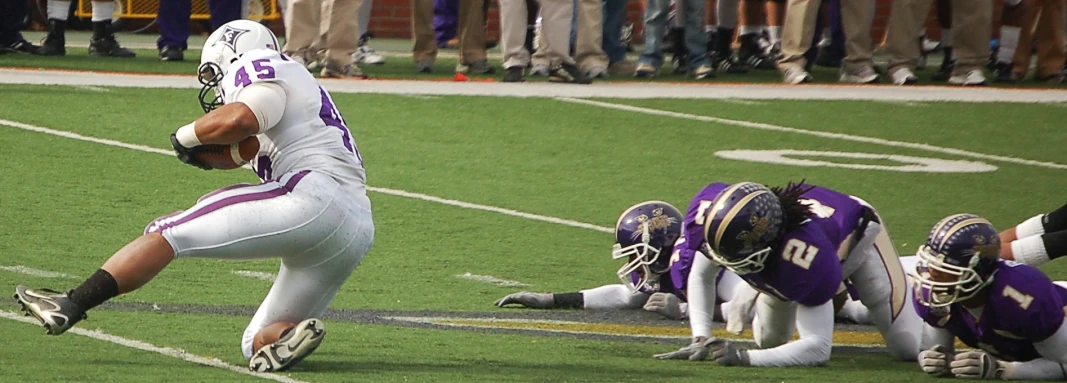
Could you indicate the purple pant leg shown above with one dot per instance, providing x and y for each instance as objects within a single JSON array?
[
  {"x": 173, "y": 21},
  {"x": 445, "y": 20},
  {"x": 224, "y": 11}
]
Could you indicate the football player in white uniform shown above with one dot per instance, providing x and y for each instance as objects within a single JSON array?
[{"x": 311, "y": 209}]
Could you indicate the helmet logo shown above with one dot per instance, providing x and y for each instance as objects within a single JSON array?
[
  {"x": 760, "y": 226},
  {"x": 229, "y": 37},
  {"x": 658, "y": 221}
]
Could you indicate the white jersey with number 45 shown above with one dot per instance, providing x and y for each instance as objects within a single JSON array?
[{"x": 311, "y": 134}]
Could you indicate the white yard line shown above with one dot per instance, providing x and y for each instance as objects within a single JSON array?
[
  {"x": 633, "y": 90},
  {"x": 835, "y": 136},
  {"x": 167, "y": 351},
  {"x": 394, "y": 192},
  {"x": 35, "y": 272},
  {"x": 491, "y": 280},
  {"x": 256, "y": 274}
]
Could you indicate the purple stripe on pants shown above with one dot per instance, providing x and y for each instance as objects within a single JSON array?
[
  {"x": 229, "y": 201},
  {"x": 216, "y": 192}
]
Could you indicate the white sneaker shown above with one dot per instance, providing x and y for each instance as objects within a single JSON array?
[
  {"x": 539, "y": 70},
  {"x": 973, "y": 77},
  {"x": 597, "y": 72},
  {"x": 366, "y": 55},
  {"x": 796, "y": 75},
  {"x": 296, "y": 345},
  {"x": 904, "y": 76},
  {"x": 859, "y": 75}
]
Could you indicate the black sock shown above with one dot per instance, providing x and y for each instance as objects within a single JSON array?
[
  {"x": 722, "y": 44},
  {"x": 568, "y": 301},
  {"x": 96, "y": 290},
  {"x": 100, "y": 29},
  {"x": 1055, "y": 244},
  {"x": 1056, "y": 220}
]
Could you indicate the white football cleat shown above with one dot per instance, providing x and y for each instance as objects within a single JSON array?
[
  {"x": 973, "y": 77},
  {"x": 299, "y": 342}
]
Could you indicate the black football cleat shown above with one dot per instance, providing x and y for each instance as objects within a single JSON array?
[{"x": 55, "y": 310}]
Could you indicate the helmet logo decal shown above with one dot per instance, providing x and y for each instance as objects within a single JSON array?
[
  {"x": 229, "y": 37},
  {"x": 658, "y": 221},
  {"x": 760, "y": 226}
]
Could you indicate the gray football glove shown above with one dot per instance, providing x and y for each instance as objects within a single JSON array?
[
  {"x": 976, "y": 365},
  {"x": 725, "y": 353},
  {"x": 665, "y": 304},
  {"x": 526, "y": 299},
  {"x": 935, "y": 361},
  {"x": 697, "y": 350}
]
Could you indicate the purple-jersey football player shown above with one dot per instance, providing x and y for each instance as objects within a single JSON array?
[
  {"x": 1012, "y": 312},
  {"x": 796, "y": 245},
  {"x": 654, "y": 276}
]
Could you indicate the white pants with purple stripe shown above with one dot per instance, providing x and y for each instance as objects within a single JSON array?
[{"x": 318, "y": 229}]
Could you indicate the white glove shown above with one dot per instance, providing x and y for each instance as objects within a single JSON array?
[
  {"x": 976, "y": 365},
  {"x": 935, "y": 361},
  {"x": 527, "y": 299},
  {"x": 725, "y": 353},
  {"x": 698, "y": 350},
  {"x": 665, "y": 304},
  {"x": 740, "y": 311}
]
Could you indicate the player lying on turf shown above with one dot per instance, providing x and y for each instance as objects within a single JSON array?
[
  {"x": 1037, "y": 240},
  {"x": 796, "y": 245},
  {"x": 644, "y": 235},
  {"x": 311, "y": 210},
  {"x": 1011, "y": 311},
  {"x": 653, "y": 277}
]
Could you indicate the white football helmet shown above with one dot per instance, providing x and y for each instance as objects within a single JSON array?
[{"x": 222, "y": 48}]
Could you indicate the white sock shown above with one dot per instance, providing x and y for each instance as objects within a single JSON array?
[
  {"x": 1009, "y": 39},
  {"x": 749, "y": 29},
  {"x": 1030, "y": 251},
  {"x": 1030, "y": 227},
  {"x": 364, "y": 17},
  {"x": 774, "y": 33},
  {"x": 103, "y": 10},
  {"x": 946, "y": 37},
  {"x": 710, "y": 28},
  {"x": 58, "y": 9}
]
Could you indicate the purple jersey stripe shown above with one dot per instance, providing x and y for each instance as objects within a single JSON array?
[
  {"x": 216, "y": 192},
  {"x": 235, "y": 199}
]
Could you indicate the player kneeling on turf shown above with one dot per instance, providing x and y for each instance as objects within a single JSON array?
[
  {"x": 1011, "y": 311},
  {"x": 311, "y": 210}
]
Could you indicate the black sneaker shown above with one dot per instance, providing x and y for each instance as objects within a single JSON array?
[
  {"x": 53, "y": 45},
  {"x": 171, "y": 54},
  {"x": 726, "y": 63},
  {"x": 21, "y": 46},
  {"x": 55, "y": 310},
  {"x": 947, "y": 66},
  {"x": 515, "y": 74},
  {"x": 1002, "y": 72},
  {"x": 680, "y": 63},
  {"x": 568, "y": 73},
  {"x": 751, "y": 55},
  {"x": 107, "y": 46}
]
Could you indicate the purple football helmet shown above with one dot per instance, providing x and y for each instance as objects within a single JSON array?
[
  {"x": 645, "y": 235},
  {"x": 743, "y": 224},
  {"x": 963, "y": 250}
]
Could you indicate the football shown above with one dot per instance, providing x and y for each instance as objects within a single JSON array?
[{"x": 223, "y": 157}]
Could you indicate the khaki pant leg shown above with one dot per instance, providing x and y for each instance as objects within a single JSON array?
[
  {"x": 797, "y": 32},
  {"x": 513, "y": 33},
  {"x": 344, "y": 24},
  {"x": 972, "y": 22},
  {"x": 1050, "y": 40},
  {"x": 906, "y": 20},
  {"x": 1021, "y": 61},
  {"x": 556, "y": 18},
  {"x": 589, "y": 52},
  {"x": 425, "y": 43},
  {"x": 856, "y": 19},
  {"x": 471, "y": 31},
  {"x": 302, "y": 26}
]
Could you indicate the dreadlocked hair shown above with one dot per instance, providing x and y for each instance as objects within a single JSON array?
[{"x": 789, "y": 196}]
